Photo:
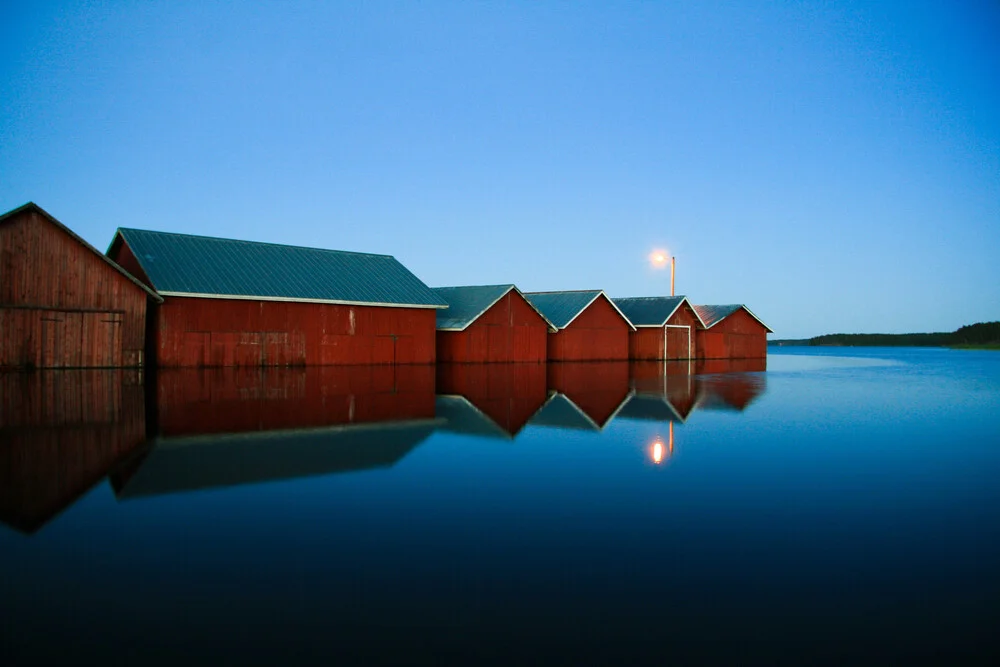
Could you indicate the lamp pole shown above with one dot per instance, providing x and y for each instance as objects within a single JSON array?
[{"x": 673, "y": 265}]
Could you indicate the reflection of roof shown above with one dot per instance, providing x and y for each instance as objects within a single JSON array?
[
  {"x": 561, "y": 308},
  {"x": 467, "y": 304},
  {"x": 461, "y": 416},
  {"x": 185, "y": 265},
  {"x": 650, "y": 407},
  {"x": 712, "y": 315},
  {"x": 561, "y": 412},
  {"x": 201, "y": 462},
  {"x": 732, "y": 391},
  {"x": 650, "y": 311}
]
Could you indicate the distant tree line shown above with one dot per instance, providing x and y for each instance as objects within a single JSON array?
[{"x": 983, "y": 334}]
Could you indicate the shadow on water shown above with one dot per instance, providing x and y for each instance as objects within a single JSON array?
[{"x": 61, "y": 432}]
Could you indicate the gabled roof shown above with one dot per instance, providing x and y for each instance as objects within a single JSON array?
[
  {"x": 561, "y": 308},
  {"x": 462, "y": 416},
  {"x": 33, "y": 207},
  {"x": 712, "y": 315},
  {"x": 560, "y": 411},
  {"x": 651, "y": 311},
  {"x": 650, "y": 407},
  {"x": 468, "y": 303},
  {"x": 202, "y": 266}
]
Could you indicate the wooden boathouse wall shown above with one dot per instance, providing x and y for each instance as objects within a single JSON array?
[
  {"x": 509, "y": 331},
  {"x": 208, "y": 330},
  {"x": 62, "y": 304},
  {"x": 738, "y": 336},
  {"x": 599, "y": 333},
  {"x": 197, "y": 332},
  {"x": 667, "y": 342}
]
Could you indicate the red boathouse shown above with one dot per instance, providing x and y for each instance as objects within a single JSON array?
[
  {"x": 62, "y": 303},
  {"x": 731, "y": 332},
  {"x": 490, "y": 323},
  {"x": 589, "y": 327},
  {"x": 241, "y": 303},
  {"x": 665, "y": 327}
]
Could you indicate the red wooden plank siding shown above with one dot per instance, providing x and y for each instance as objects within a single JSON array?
[
  {"x": 195, "y": 332},
  {"x": 598, "y": 388},
  {"x": 739, "y": 336},
  {"x": 599, "y": 333},
  {"x": 60, "y": 433},
  {"x": 124, "y": 258},
  {"x": 509, "y": 331},
  {"x": 509, "y": 394},
  {"x": 237, "y": 400},
  {"x": 653, "y": 343},
  {"x": 61, "y": 305}
]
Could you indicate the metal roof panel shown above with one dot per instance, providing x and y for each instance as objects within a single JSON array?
[
  {"x": 467, "y": 304},
  {"x": 712, "y": 315},
  {"x": 649, "y": 311},
  {"x": 561, "y": 308},
  {"x": 206, "y": 266}
]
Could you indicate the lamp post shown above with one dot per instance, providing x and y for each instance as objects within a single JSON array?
[{"x": 658, "y": 258}]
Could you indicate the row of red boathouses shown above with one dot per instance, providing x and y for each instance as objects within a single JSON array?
[{"x": 176, "y": 300}]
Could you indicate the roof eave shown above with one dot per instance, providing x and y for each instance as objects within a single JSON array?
[{"x": 338, "y": 302}]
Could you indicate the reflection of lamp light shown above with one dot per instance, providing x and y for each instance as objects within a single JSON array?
[{"x": 657, "y": 452}]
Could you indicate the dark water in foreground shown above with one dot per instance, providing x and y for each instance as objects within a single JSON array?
[{"x": 842, "y": 507}]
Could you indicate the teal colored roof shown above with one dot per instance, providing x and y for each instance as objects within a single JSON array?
[
  {"x": 712, "y": 315},
  {"x": 221, "y": 460},
  {"x": 561, "y": 412},
  {"x": 561, "y": 308},
  {"x": 467, "y": 304},
  {"x": 461, "y": 416},
  {"x": 650, "y": 311},
  {"x": 650, "y": 408},
  {"x": 180, "y": 264}
]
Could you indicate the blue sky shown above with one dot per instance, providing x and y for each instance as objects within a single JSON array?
[{"x": 833, "y": 165}]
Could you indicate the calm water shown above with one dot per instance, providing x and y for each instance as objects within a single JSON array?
[{"x": 841, "y": 507}]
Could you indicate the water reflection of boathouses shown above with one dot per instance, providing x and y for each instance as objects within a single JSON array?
[
  {"x": 732, "y": 391},
  {"x": 670, "y": 392},
  {"x": 599, "y": 389},
  {"x": 236, "y": 400},
  {"x": 508, "y": 395},
  {"x": 60, "y": 434},
  {"x": 225, "y": 427}
]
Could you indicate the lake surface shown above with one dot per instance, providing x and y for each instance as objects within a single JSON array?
[{"x": 842, "y": 506}]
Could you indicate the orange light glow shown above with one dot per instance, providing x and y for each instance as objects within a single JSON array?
[
  {"x": 657, "y": 452},
  {"x": 659, "y": 259}
]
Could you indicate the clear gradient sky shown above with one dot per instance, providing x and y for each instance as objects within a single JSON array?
[{"x": 833, "y": 165}]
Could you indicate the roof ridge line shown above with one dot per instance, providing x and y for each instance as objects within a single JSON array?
[{"x": 265, "y": 243}]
